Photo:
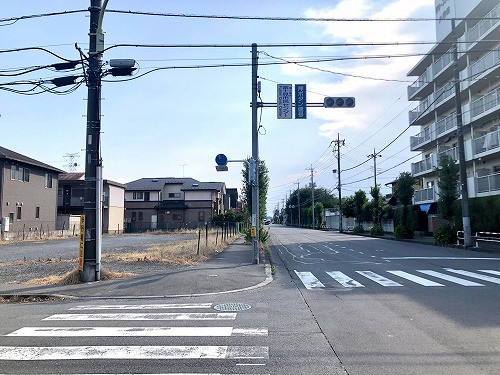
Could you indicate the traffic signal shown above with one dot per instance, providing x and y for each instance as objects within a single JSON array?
[{"x": 339, "y": 102}]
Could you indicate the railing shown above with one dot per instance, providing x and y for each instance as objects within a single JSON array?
[
  {"x": 447, "y": 123},
  {"x": 419, "y": 110},
  {"x": 488, "y": 183},
  {"x": 482, "y": 27},
  {"x": 423, "y": 166},
  {"x": 420, "y": 138},
  {"x": 444, "y": 92},
  {"x": 419, "y": 82},
  {"x": 487, "y": 142},
  {"x": 485, "y": 102},
  {"x": 424, "y": 195},
  {"x": 442, "y": 62},
  {"x": 486, "y": 62},
  {"x": 453, "y": 153}
]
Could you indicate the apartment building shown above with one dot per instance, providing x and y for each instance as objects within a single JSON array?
[{"x": 477, "y": 33}]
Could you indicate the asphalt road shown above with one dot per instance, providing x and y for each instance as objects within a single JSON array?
[{"x": 391, "y": 307}]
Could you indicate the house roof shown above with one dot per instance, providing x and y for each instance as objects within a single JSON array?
[
  {"x": 80, "y": 177},
  {"x": 157, "y": 184},
  {"x": 11, "y": 155}
]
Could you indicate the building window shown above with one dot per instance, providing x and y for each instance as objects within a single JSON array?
[
  {"x": 13, "y": 172},
  {"x": 20, "y": 174},
  {"x": 201, "y": 215},
  {"x": 177, "y": 217},
  {"x": 18, "y": 215},
  {"x": 146, "y": 196},
  {"x": 138, "y": 195},
  {"x": 37, "y": 212},
  {"x": 174, "y": 195},
  {"x": 11, "y": 217},
  {"x": 48, "y": 180},
  {"x": 26, "y": 175},
  {"x": 134, "y": 216}
]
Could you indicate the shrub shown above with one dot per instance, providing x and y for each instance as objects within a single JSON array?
[
  {"x": 445, "y": 235},
  {"x": 403, "y": 232},
  {"x": 358, "y": 229},
  {"x": 377, "y": 230}
]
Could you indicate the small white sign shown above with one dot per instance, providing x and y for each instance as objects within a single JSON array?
[{"x": 285, "y": 104}]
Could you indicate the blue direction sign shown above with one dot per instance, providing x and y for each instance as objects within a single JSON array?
[
  {"x": 221, "y": 159},
  {"x": 300, "y": 102}
]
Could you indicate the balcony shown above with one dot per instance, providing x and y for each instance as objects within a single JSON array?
[
  {"x": 421, "y": 82},
  {"x": 446, "y": 124},
  {"x": 483, "y": 27},
  {"x": 488, "y": 184},
  {"x": 424, "y": 166},
  {"x": 452, "y": 152},
  {"x": 417, "y": 114},
  {"x": 422, "y": 138},
  {"x": 488, "y": 142},
  {"x": 424, "y": 195},
  {"x": 485, "y": 103},
  {"x": 443, "y": 62}
]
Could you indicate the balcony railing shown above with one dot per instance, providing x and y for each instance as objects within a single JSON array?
[
  {"x": 488, "y": 183},
  {"x": 483, "y": 26},
  {"x": 485, "y": 103},
  {"x": 447, "y": 123},
  {"x": 424, "y": 195},
  {"x": 452, "y": 152},
  {"x": 420, "y": 82},
  {"x": 488, "y": 61},
  {"x": 421, "y": 138},
  {"x": 442, "y": 62},
  {"x": 419, "y": 110},
  {"x": 444, "y": 92},
  {"x": 425, "y": 165},
  {"x": 487, "y": 142}
]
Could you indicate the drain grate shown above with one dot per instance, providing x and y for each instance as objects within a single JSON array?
[{"x": 232, "y": 307}]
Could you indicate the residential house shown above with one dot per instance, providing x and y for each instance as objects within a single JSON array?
[
  {"x": 28, "y": 195},
  {"x": 477, "y": 31},
  {"x": 169, "y": 203},
  {"x": 70, "y": 202}
]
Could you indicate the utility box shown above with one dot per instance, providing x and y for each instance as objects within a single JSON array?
[{"x": 6, "y": 224}]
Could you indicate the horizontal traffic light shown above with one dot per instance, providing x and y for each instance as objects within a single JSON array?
[{"x": 339, "y": 102}]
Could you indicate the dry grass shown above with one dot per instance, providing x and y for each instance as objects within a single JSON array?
[{"x": 73, "y": 277}]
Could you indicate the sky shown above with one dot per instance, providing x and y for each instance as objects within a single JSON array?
[{"x": 173, "y": 122}]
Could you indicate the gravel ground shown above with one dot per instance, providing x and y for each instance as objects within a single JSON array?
[{"x": 15, "y": 270}]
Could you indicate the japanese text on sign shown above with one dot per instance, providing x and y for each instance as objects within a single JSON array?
[
  {"x": 300, "y": 102},
  {"x": 284, "y": 101}
]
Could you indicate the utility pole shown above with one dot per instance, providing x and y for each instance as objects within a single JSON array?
[
  {"x": 339, "y": 143},
  {"x": 312, "y": 188},
  {"x": 374, "y": 156},
  {"x": 255, "y": 155},
  {"x": 461, "y": 151},
  {"x": 92, "y": 154},
  {"x": 298, "y": 199}
]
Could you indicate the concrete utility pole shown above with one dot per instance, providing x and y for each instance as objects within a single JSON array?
[
  {"x": 461, "y": 150},
  {"x": 255, "y": 155},
  {"x": 298, "y": 199},
  {"x": 312, "y": 187},
  {"x": 374, "y": 156},
  {"x": 92, "y": 153},
  {"x": 339, "y": 143}
]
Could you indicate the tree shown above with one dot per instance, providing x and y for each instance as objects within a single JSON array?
[
  {"x": 359, "y": 201},
  {"x": 348, "y": 207},
  {"x": 263, "y": 187},
  {"x": 447, "y": 173},
  {"x": 376, "y": 205},
  {"x": 404, "y": 193}
]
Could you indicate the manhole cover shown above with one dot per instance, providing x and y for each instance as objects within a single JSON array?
[{"x": 232, "y": 307}]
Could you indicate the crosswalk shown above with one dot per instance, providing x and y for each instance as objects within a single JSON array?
[
  {"x": 398, "y": 278},
  {"x": 125, "y": 323}
]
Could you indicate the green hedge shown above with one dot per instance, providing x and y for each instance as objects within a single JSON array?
[{"x": 484, "y": 214}]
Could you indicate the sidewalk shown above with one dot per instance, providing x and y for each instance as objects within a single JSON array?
[{"x": 229, "y": 271}]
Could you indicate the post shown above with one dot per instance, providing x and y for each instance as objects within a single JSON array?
[
  {"x": 298, "y": 199},
  {"x": 92, "y": 154},
  {"x": 255, "y": 156},
  {"x": 461, "y": 150}
]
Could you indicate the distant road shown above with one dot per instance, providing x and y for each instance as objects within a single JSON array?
[{"x": 67, "y": 248}]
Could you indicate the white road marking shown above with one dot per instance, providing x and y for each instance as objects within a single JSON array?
[
  {"x": 156, "y": 316},
  {"x": 137, "y": 331},
  {"x": 450, "y": 278},
  {"x": 145, "y": 307},
  {"x": 437, "y": 258},
  {"x": 344, "y": 280},
  {"x": 491, "y": 271},
  {"x": 378, "y": 278},
  {"x": 415, "y": 279},
  {"x": 22, "y": 353},
  {"x": 491, "y": 279},
  {"x": 309, "y": 280}
]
